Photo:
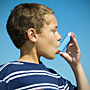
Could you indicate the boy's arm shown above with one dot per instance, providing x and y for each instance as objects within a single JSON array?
[{"x": 72, "y": 56}]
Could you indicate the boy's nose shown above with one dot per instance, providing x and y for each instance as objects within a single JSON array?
[{"x": 59, "y": 37}]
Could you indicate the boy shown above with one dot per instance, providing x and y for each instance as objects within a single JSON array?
[{"x": 33, "y": 29}]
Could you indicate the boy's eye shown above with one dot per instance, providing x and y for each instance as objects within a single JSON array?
[{"x": 54, "y": 30}]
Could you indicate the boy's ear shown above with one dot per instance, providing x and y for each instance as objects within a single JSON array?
[{"x": 32, "y": 35}]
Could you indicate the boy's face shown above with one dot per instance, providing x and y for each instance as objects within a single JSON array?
[{"x": 48, "y": 41}]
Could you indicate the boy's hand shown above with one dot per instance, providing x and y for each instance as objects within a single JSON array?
[{"x": 72, "y": 54}]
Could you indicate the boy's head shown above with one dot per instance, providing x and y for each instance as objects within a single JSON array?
[{"x": 23, "y": 17}]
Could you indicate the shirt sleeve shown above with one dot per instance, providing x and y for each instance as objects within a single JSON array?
[
  {"x": 63, "y": 83},
  {"x": 67, "y": 85},
  {"x": 3, "y": 85}
]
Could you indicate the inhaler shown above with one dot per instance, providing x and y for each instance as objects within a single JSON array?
[{"x": 65, "y": 42}]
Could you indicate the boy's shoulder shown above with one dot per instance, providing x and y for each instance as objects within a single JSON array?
[
  {"x": 10, "y": 65},
  {"x": 15, "y": 66},
  {"x": 8, "y": 68},
  {"x": 52, "y": 71}
]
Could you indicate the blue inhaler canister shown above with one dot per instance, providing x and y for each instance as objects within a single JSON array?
[{"x": 65, "y": 42}]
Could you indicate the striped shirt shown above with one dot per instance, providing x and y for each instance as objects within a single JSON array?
[{"x": 30, "y": 76}]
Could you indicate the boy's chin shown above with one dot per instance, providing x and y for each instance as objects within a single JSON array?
[{"x": 50, "y": 57}]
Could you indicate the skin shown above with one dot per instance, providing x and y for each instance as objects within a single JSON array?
[
  {"x": 46, "y": 44},
  {"x": 48, "y": 40}
]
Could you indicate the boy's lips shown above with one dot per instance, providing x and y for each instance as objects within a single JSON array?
[{"x": 57, "y": 51}]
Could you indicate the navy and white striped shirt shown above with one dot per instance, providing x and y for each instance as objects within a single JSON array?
[{"x": 29, "y": 76}]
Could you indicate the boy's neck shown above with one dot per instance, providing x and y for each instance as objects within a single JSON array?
[
  {"x": 29, "y": 54},
  {"x": 29, "y": 59}
]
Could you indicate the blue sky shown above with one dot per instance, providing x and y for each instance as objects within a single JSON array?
[{"x": 72, "y": 16}]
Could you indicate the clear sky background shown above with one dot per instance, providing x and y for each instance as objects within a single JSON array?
[{"x": 72, "y": 16}]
